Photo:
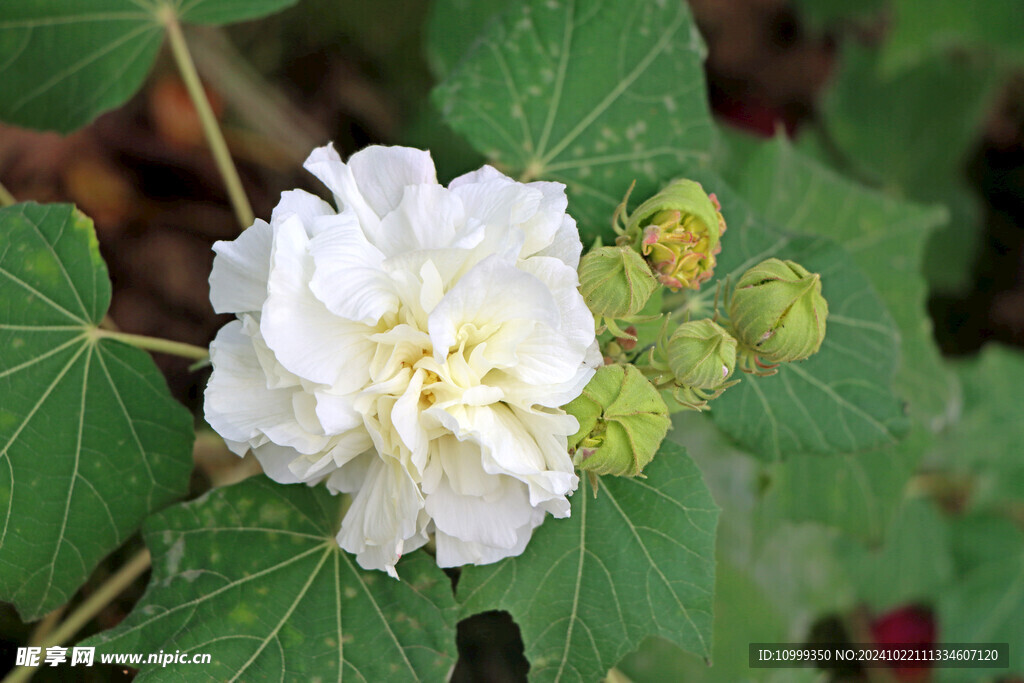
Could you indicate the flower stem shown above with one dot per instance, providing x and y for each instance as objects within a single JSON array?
[
  {"x": 6, "y": 198},
  {"x": 92, "y": 606},
  {"x": 219, "y": 148},
  {"x": 155, "y": 344}
]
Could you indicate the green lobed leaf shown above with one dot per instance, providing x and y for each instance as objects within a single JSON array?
[
  {"x": 773, "y": 578},
  {"x": 454, "y": 26},
  {"x": 63, "y": 63},
  {"x": 893, "y": 146},
  {"x": 636, "y": 561},
  {"x": 914, "y": 564},
  {"x": 924, "y": 29},
  {"x": 91, "y": 442},
  {"x": 252, "y": 575},
  {"x": 594, "y": 95},
  {"x": 885, "y": 237},
  {"x": 984, "y": 606},
  {"x": 858, "y": 494},
  {"x": 840, "y": 399},
  {"x": 984, "y": 445},
  {"x": 744, "y": 614},
  {"x": 981, "y": 538},
  {"x": 941, "y": 99}
]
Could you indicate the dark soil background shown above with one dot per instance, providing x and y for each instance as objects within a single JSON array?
[{"x": 285, "y": 85}]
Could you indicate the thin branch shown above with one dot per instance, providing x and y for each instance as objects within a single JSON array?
[
  {"x": 92, "y": 606},
  {"x": 6, "y": 198},
  {"x": 214, "y": 136}
]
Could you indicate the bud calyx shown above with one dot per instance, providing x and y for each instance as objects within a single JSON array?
[
  {"x": 701, "y": 356},
  {"x": 777, "y": 312},
  {"x": 615, "y": 282},
  {"x": 623, "y": 420}
]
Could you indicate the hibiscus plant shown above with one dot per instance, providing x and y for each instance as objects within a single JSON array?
[{"x": 609, "y": 377}]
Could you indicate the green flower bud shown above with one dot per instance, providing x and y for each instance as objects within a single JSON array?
[
  {"x": 701, "y": 354},
  {"x": 623, "y": 420},
  {"x": 778, "y": 312},
  {"x": 615, "y": 282},
  {"x": 679, "y": 230}
]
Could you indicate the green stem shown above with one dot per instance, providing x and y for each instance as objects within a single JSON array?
[
  {"x": 92, "y": 606},
  {"x": 6, "y": 198},
  {"x": 155, "y": 344},
  {"x": 616, "y": 676},
  {"x": 46, "y": 625},
  {"x": 219, "y": 148}
]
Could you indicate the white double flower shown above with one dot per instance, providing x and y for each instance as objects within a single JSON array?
[{"x": 411, "y": 347}]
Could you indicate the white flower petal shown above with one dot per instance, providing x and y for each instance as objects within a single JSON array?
[
  {"x": 238, "y": 281},
  {"x": 383, "y": 173},
  {"x": 303, "y": 334},
  {"x": 493, "y": 292},
  {"x": 455, "y": 552},
  {"x": 565, "y": 245},
  {"x": 542, "y": 227},
  {"x": 536, "y": 208},
  {"x": 499, "y": 200},
  {"x": 308, "y": 208},
  {"x": 241, "y": 407},
  {"x": 427, "y": 217},
  {"x": 492, "y": 520},
  {"x": 276, "y": 462},
  {"x": 349, "y": 477},
  {"x": 405, "y": 416},
  {"x": 326, "y": 165},
  {"x": 343, "y": 449},
  {"x": 412, "y": 347},
  {"x": 348, "y": 277},
  {"x": 577, "y": 322},
  {"x": 277, "y": 376},
  {"x": 336, "y": 412},
  {"x": 382, "y": 517}
]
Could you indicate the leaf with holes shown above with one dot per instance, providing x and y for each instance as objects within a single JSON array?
[
  {"x": 636, "y": 561},
  {"x": 593, "y": 95},
  {"x": 252, "y": 575},
  {"x": 64, "y": 63},
  {"x": 838, "y": 400},
  {"x": 90, "y": 440}
]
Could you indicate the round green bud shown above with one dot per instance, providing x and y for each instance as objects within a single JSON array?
[
  {"x": 778, "y": 312},
  {"x": 615, "y": 282},
  {"x": 623, "y": 420},
  {"x": 701, "y": 354},
  {"x": 679, "y": 230}
]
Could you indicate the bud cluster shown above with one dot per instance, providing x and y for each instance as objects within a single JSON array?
[{"x": 775, "y": 314}]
